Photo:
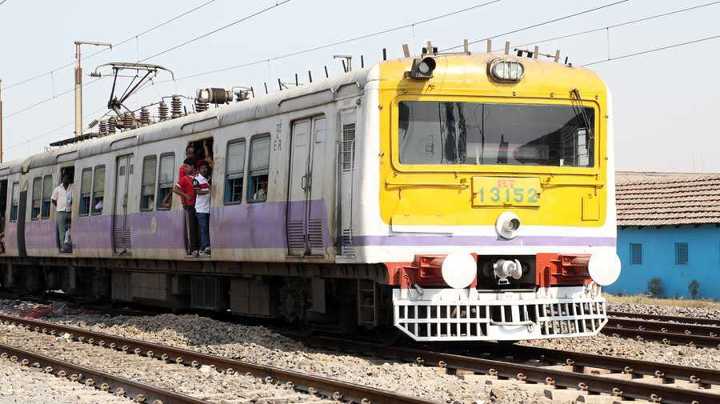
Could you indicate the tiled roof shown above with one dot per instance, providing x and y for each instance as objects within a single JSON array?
[{"x": 658, "y": 199}]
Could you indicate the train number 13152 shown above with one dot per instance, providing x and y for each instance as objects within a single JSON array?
[{"x": 494, "y": 191}]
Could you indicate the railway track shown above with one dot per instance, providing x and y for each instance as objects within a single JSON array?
[
  {"x": 660, "y": 317},
  {"x": 138, "y": 392},
  {"x": 622, "y": 378},
  {"x": 316, "y": 385},
  {"x": 666, "y": 329}
]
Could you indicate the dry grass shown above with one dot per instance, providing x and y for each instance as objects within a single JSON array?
[{"x": 639, "y": 299}]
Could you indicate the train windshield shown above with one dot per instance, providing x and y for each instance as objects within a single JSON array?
[{"x": 480, "y": 133}]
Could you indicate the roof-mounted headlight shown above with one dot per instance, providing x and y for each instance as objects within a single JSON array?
[
  {"x": 507, "y": 71},
  {"x": 422, "y": 69}
]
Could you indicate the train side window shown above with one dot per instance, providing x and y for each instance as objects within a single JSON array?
[
  {"x": 259, "y": 168},
  {"x": 234, "y": 171},
  {"x": 98, "y": 191},
  {"x": 85, "y": 191},
  {"x": 36, "y": 198},
  {"x": 15, "y": 201},
  {"x": 47, "y": 189},
  {"x": 147, "y": 193},
  {"x": 166, "y": 181}
]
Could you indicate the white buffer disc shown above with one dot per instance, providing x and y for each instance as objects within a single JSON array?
[
  {"x": 604, "y": 267},
  {"x": 458, "y": 270}
]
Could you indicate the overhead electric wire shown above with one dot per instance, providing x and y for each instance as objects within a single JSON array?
[
  {"x": 46, "y": 100},
  {"x": 662, "y": 48},
  {"x": 342, "y": 41},
  {"x": 540, "y": 24},
  {"x": 622, "y": 24},
  {"x": 43, "y": 134},
  {"x": 116, "y": 45},
  {"x": 348, "y": 40},
  {"x": 197, "y": 38},
  {"x": 216, "y": 30}
]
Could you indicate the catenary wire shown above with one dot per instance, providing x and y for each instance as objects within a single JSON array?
[
  {"x": 116, "y": 45},
  {"x": 331, "y": 44},
  {"x": 197, "y": 38},
  {"x": 51, "y": 131},
  {"x": 377, "y": 33},
  {"x": 653, "y": 50},
  {"x": 216, "y": 30},
  {"x": 340, "y": 42},
  {"x": 622, "y": 24},
  {"x": 540, "y": 24}
]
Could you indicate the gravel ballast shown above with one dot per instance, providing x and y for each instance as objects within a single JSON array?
[
  {"x": 26, "y": 385},
  {"x": 655, "y": 309},
  {"x": 261, "y": 345}
]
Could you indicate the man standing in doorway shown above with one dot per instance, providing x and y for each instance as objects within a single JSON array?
[
  {"x": 202, "y": 207},
  {"x": 184, "y": 188},
  {"x": 62, "y": 200}
]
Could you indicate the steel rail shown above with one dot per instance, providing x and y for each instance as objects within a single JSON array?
[
  {"x": 664, "y": 337},
  {"x": 659, "y": 317},
  {"x": 139, "y": 392},
  {"x": 655, "y": 392},
  {"x": 332, "y": 388},
  {"x": 665, "y": 372},
  {"x": 663, "y": 326}
]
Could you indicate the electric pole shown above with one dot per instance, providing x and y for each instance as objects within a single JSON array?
[{"x": 78, "y": 84}]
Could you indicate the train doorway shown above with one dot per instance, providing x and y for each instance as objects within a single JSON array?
[
  {"x": 3, "y": 213},
  {"x": 305, "y": 209},
  {"x": 121, "y": 225}
]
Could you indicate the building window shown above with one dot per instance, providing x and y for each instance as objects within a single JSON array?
[
  {"x": 147, "y": 192},
  {"x": 47, "y": 190},
  {"x": 85, "y": 191},
  {"x": 167, "y": 175},
  {"x": 259, "y": 169},
  {"x": 234, "y": 171},
  {"x": 98, "y": 199},
  {"x": 635, "y": 254},
  {"x": 36, "y": 199},
  {"x": 681, "y": 253},
  {"x": 15, "y": 201}
]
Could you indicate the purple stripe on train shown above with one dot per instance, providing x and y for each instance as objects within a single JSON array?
[
  {"x": 92, "y": 232},
  {"x": 41, "y": 234},
  {"x": 481, "y": 241},
  {"x": 260, "y": 225}
]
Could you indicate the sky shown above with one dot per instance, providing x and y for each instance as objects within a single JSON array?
[{"x": 664, "y": 103}]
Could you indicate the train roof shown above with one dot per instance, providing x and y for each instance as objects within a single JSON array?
[{"x": 257, "y": 108}]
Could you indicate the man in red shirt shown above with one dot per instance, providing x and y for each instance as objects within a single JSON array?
[{"x": 185, "y": 189}]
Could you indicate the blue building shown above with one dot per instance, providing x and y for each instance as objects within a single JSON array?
[{"x": 669, "y": 229}]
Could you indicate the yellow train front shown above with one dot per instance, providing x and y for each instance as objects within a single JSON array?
[{"x": 495, "y": 215}]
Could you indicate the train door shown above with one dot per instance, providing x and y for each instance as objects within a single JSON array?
[
  {"x": 3, "y": 206},
  {"x": 346, "y": 171},
  {"x": 305, "y": 209},
  {"x": 121, "y": 226},
  {"x": 22, "y": 208}
]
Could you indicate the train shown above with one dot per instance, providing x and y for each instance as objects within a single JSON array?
[{"x": 449, "y": 197}]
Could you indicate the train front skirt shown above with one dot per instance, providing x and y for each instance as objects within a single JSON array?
[{"x": 476, "y": 315}]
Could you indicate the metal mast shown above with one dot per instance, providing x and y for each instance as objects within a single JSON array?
[{"x": 78, "y": 83}]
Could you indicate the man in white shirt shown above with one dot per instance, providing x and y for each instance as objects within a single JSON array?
[
  {"x": 202, "y": 207},
  {"x": 62, "y": 200}
]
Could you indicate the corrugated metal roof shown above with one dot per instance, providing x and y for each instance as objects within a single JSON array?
[{"x": 661, "y": 199}]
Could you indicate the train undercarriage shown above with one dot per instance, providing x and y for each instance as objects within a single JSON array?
[{"x": 337, "y": 297}]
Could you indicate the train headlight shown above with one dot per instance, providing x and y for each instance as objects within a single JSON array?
[
  {"x": 506, "y": 70},
  {"x": 604, "y": 267},
  {"x": 507, "y": 225},
  {"x": 459, "y": 270},
  {"x": 422, "y": 69}
]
